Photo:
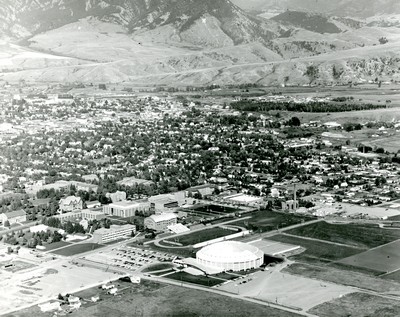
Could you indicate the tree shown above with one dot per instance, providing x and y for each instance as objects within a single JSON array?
[
  {"x": 312, "y": 72},
  {"x": 7, "y": 224},
  {"x": 294, "y": 122}
]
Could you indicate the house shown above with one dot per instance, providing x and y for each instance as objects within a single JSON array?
[
  {"x": 71, "y": 203},
  {"x": 13, "y": 217}
]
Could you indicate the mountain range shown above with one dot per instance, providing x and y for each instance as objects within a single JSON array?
[
  {"x": 192, "y": 42},
  {"x": 343, "y": 8}
]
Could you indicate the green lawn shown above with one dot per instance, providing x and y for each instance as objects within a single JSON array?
[
  {"x": 77, "y": 248},
  {"x": 200, "y": 279},
  {"x": 351, "y": 234},
  {"x": 158, "y": 267},
  {"x": 267, "y": 220},
  {"x": 203, "y": 235},
  {"x": 358, "y": 305},
  {"x": 56, "y": 245},
  {"x": 317, "y": 251}
]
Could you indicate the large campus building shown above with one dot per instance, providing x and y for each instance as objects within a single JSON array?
[
  {"x": 230, "y": 255},
  {"x": 88, "y": 214},
  {"x": 115, "y": 232},
  {"x": 160, "y": 222},
  {"x": 125, "y": 209}
]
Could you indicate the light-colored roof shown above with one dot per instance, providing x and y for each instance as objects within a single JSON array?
[
  {"x": 124, "y": 204},
  {"x": 229, "y": 252},
  {"x": 16, "y": 213},
  {"x": 163, "y": 217}
]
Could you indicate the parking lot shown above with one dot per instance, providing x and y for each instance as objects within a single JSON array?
[{"x": 130, "y": 258}]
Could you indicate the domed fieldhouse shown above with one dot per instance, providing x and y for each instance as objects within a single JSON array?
[{"x": 230, "y": 255}]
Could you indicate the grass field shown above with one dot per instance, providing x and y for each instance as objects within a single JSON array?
[
  {"x": 151, "y": 299},
  {"x": 201, "y": 236},
  {"x": 344, "y": 277},
  {"x": 158, "y": 267},
  {"x": 358, "y": 305},
  {"x": 267, "y": 220},
  {"x": 317, "y": 251},
  {"x": 184, "y": 252},
  {"x": 18, "y": 266},
  {"x": 351, "y": 234},
  {"x": 77, "y": 248},
  {"x": 395, "y": 276},
  {"x": 384, "y": 259},
  {"x": 56, "y": 245},
  {"x": 200, "y": 279}
]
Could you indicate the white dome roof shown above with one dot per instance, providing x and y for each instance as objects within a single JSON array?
[{"x": 229, "y": 251}]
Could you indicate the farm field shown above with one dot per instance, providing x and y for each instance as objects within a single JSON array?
[
  {"x": 267, "y": 220},
  {"x": 316, "y": 251},
  {"x": 344, "y": 277},
  {"x": 363, "y": 236},
  {"x": 395, "y": 276},
  {"x": 77, "y": 248},
  {"x": 154, "y": 299},
  {"x": 201, "y": 236},
  {"x": 385, "y": 258},
  {"x": 358, "y": 305}
]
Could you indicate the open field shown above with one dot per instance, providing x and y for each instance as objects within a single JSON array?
[
  {"x": 363, "y": 236},
  {"x": 16, "y": 266},
  {"x": 153, "y": 299},
  {"x": 199, "y": 279},
  {"x": 201, "y": 236},
  {"x": 344, "y": 277},
  {"x": 358, "y": 305},
  {"x": 77, "y": 248},
  {"x": 45, "y": 282},
  {"x": 158, "y": 267},
  {"x": 267, "y": 220},
  {"x": 288, "y": 290},
  {"x": 395, "y": 276},
  {"x": 182, "y": 252},
  {"x": 385, "y": 258},
  {"x": 56, "y": 245},
  {"x": 317, "y": 251}
]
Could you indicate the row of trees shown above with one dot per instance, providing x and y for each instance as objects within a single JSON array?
[{"x": 263, "y": 106}]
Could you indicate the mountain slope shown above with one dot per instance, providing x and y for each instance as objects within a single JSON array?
[{"x": 351, "y": 8}]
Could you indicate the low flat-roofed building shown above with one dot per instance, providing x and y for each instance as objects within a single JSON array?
[
  {"x": 161, "y": 202},
  {"x": 115, "y": 232},
  {"x": 93, "y": 204},
  {"x": 161, "y": 222},
  {"x": 133, "y": 181},
  {"x": 126, "y": 208},
  {"x": 88, "y": 214},
  {"x": 117, "y": 196},
  {"x": 12, "y": 217},
  {"x": 38, "y": 228}
]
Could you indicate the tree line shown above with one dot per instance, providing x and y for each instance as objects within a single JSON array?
[{"x": 264, "y": 106}]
